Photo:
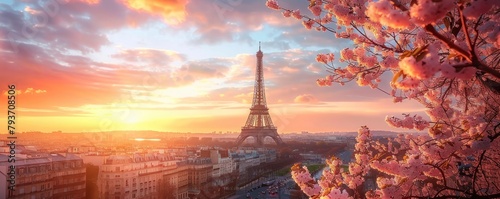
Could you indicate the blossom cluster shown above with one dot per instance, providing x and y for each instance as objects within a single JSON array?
[
  {"x": 325, "y": 58},
  {"x": 441, "y": 54},
  {"x": 415, "y": 122},
  {"x": 334, "y": 176}
]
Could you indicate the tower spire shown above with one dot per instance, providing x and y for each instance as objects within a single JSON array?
[{"x": 259, "y": 124}]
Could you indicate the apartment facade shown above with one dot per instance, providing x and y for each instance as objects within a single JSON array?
[
  {"x": 57, "y": 176},
  {"x": 130, "y": 177}
]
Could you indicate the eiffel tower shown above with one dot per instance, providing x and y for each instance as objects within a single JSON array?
[{"x": 259, "y": 124}]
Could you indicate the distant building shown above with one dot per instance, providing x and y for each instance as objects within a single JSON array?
[
  {"x": 200, "y": 173},
  {"x": 45, "y": 176},
  {"x": 244, "y": 159},
  {"x": 176, "y": 177},
  {"x": 152, "y": 176},
  {"x": 69, "y": 176},
  {"x": 81, "y": 149},
  {"x": 130, "y": 176},
  {"x": 94, "y": 159},
  {"x": 222, "y": 163}
]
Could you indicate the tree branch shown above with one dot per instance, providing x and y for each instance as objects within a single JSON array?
[
  {"x": 445, "y": 40},
  {"x": 474, "y": 61},
  {"x": 464, "y": 28}
]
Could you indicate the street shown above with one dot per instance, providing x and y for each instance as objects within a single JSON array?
[{"x": 279, "y": 187}]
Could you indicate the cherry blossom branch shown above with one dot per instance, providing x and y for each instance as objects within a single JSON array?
[
  {"x": 497, "y": 133},
  {"x": 464, "y": 28},
  {"x": 462, "y": 52},
  {"x": 429, "y": 28},
  {"x": 475, "y": 172},
  {"x": 493, "y": 196},
  {"x": 484, "y": 176},
  {"x": 487, "y": 69},
  {"x": 375, "y": 43},
  {"x": 476, "y": 31},
  {"x": 440, "y": 171},
  {"x": 426, "y": 197},
  {"x": 399, "y": 5},
  {"x": 452, "y": 87}
]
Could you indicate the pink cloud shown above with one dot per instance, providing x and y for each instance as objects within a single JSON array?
[
  {"x": 313, "y": 68},
  {"x": 289, "y": 69},
  {"x": 153, "y": 57},
  {"x": 83, "y": 1},
  {"x": 305, "y": 99}
]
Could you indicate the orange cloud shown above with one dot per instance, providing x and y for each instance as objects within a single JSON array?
[
  {"x": 305, "y": 99},
  {"x": 27, "y": 91},
  {"x": 85, "y": 1},
  {"x": 172, "y": 11}
]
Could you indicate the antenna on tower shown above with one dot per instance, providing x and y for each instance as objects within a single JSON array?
[{"x": 259, "y": 45}]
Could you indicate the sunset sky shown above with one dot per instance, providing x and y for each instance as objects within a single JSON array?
[{"x": 173, "y": 65}]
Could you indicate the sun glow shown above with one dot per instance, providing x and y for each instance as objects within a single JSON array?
[
  {"x": 196, "y": 89},
  {"x": 147, "y": 139},
  {"x": 130, "y": 117}
]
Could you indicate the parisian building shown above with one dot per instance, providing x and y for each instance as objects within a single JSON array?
[{"x": 56, "y": 176}]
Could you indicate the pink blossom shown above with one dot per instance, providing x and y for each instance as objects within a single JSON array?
[
  {"x": 382, "y": 11},
  {"x": 424, "y": 45},
  {"x": 341, "y": 13},
  {"x": 389, "y": 62},
  {"x": 322, "y": 58},
  {"x": 449, "y": 71},
  {"x": 428, "y": 11},
  {"x": 346, "y": 54},
  {"x": 308, "y": 24},
  {"x": 287, "y": 13},
  {"x": 407, "y": 83},
  {"x": 296, "y": 14},
  {"x": 418, "y": 69},
  {"x": 303, "y": 178},
  {"x": 325, "y": 58},
  {"x": 272, "y": 4},
  {"x": 397, "y": 99},
  {"x": 477, "y": 8},
  {"x": 316, "y": 10},
  {"x": 337, "y": 194},
  {"x": 324, "y": 82}
]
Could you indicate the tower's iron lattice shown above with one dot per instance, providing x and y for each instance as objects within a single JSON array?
[{"x": 259, "y": 124}]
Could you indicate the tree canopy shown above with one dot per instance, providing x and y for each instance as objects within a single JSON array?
[{"x": 445, "y": 54}]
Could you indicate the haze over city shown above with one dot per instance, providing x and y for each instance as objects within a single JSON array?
[{"x": 174, "y": 66}]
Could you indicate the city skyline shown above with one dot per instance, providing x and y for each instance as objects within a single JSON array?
[{"x": 124, "y": 65}]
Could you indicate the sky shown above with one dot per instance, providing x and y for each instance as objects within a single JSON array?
[{"x": 173, "y": 66}]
